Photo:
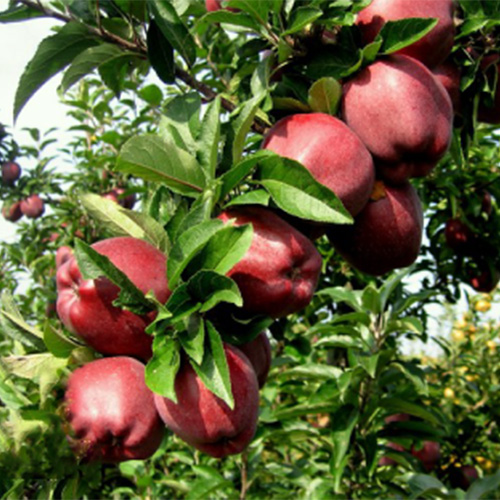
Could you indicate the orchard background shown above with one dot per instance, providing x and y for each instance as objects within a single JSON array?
[{"x": 345, "y": 412}]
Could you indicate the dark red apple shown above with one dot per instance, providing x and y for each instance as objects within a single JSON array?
[
  {"x": 12, "y": 212},
  {"x": 213, "y": 5},
  {"x": 462, "y": 477},
  {"x": 403, "y": 115},
  {"x": 86, "y": 306},
  {"x": 484, "y": 279},
  {"x": 429, "y": 454},
  {"x": 387, "y": 460},
  {"x": 431, "y": 49},
  {"x": 33, "y": 206},
  {"x": 111, "y": 413},
  {"x": 258, "y": 351},
  {"x": 449, "y": 74},
  {"x": 332, "y": 152},
  {"x": 386, "y": 235},
  {"x": 203, "y": 420},
  {"x": 279, "y": 273},
  {"x": 457, "y": 234},
  {"x": 11, "y": 171},
  {"x": 486, "y": 202}
]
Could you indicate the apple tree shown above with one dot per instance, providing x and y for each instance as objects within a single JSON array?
[{"x": 215, "y": 280}]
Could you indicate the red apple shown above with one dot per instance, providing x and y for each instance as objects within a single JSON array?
[
  {"x": 462, "y": 477},
  {"x": 258, "y": 352},
  {"x": 33, "y": 206},
  {"x": 484, "y": 280},
  {"x": 86, "y": 306},
  {"x": 431, "y": 49},
  {"x": 203, "y": 420},
  {"x": 386, "y": 235},
  {"x": 403, "y": 115},
  {"x": 429, "y": 454},
  {"x": 280, "y": 271},
  {"x": 12, "y": 212},
  {"x": 11, "y": 171},
  {"x": 486, "y": 202},
  {"x": 457, "y": 234},
  {"x": 448, "y": 73},
  {"x": 332, "y": 152},
  {"x": 111, "y": 413},
  {"x": 213, "y": 5},
  {"x": 63, "y": 254}
]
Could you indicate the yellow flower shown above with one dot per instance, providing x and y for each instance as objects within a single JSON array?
[{"x": 449, "y": 393}]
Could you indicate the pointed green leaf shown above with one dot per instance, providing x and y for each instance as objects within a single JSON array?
[
  {"x": 209, "y": 137},
  {"x": 173, "y": 29},
  {"x": 162, "y": 368},
  {"x": 214, "y": 370},
  {"x": 193, "y": 338},
  {"x": 324, "y": 95},
  {"x": 296, "y": 191},
  {"x": 87, "y": 61},
  {"x": 57, "y": 343},
  {"x": 255, "y": 197},
  {"x": 300, "y": 18},
  {"x": 242, "y": 125},
  {"x": 160, "y": 53},
  {"x": 397, "y": 35},
  {"x": 153, "y": 159},
  {"x": 209, "y": 289},
  {"x": 53, "y": 54},
  {"x": 189, "y": 243}
]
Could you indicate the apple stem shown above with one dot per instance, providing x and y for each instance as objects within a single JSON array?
[{"x": 244, "y": 475}]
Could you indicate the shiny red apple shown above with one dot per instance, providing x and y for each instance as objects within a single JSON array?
[{"x": 258, "y": 352}]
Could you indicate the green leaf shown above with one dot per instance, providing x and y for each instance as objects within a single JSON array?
[
  {"x": 422, "y": 484},
  {"x": 160, "y": 53},
  {"x": 324, "y": 95},
  {"x": 258, "y": 10},
  {"x": 93, "y": 265},
  {"x": 343, "y": 423},
  {"x": 208, "y": 139},
  {"x": 341, "y": 294},
  {"x": 53, "y": 54},
  {"x": 255, "y": 197},
  {"x": 208, "y": 483},
  {"x": 300, "y": 18},
  {"x": 340, "y": 341},
  {"x": 242, "y": 124},
  {"x": 57, "y": 343},
  {"x": 290, "y": 104},
  {"x": 14, "y": 325},
  {"x": 153, "y": 159},
  {"x": 371, "y": 300},
  {"x": 414, "y": 374},
  {"x": 409, "y": 324},
  {"x": 16, "y": 13},
  {"x": 239, "y": 19},
  {"x": 214, "y": 370},
  {"x": 224, "y": 249},
  {"x": 87, "y": 61},
  {"x": 397, "y": 35},
  {"x": 10, "y": 396},
  {"x": 181, "y": 120},
  {"x": 193, "y": 338},
  {"x": 296, "y": 191},
  {"x": 114, "y": 72},
  {"x": 174, "y": 30},
  {"x": 189, "y": 243},
  {"x": 209, "y": 289},
  {"x": 119, "y": 221},
  {"x": 484, "y": 486},
  {"x": 312, "y": 371},
  {"x": 396, "y": 405},
  {"x": 162, "y": 368},
  {"x": 240, "y": 170}
]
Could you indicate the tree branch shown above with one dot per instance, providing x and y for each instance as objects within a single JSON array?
[{"x": 259, "y": 126}]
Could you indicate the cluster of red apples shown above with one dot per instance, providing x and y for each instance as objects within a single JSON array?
[
  {"x": 111, "y": 414},
  {"x": 32, "y": 206}
]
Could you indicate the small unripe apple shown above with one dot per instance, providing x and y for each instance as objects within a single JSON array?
[
  {"x": 111, "y": 412},
  {"x": 431, "y": 49},
  {"x": 258, "y": 352},
  {"x": 86, "y": 306},
  {"x": 429, "y": 454},
  {"x": 11, "y": 171},
  {"x": 403, "y": 115},
  {"x": 279, "y": 273},
  {"x": 12, "y": 212},
  {"x": 33, "y": 206},
  {"x": 457, "y": 234},
  {"x": 202, "y": 419},
  {"x": 330, "y": 150},
  {"x": 386, "y": 235}
]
